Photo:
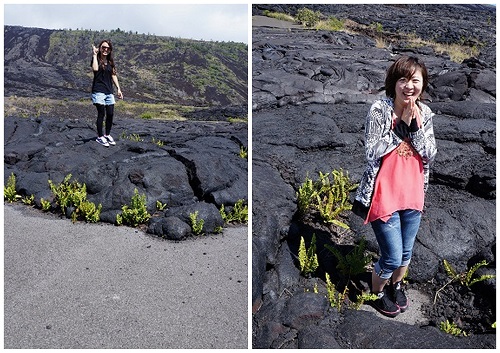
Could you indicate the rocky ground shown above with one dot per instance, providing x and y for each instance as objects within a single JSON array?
[
  {"x": 311, "y": 93},
  {"x": 192, "y": 165}
]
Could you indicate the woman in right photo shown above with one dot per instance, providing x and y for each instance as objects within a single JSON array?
[{"x": 400, "y": 145}]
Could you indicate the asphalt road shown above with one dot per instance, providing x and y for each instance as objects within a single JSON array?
[{"x": 101, "y": 286}]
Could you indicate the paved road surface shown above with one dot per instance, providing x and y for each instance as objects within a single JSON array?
[{"x": 100, "y": 286}]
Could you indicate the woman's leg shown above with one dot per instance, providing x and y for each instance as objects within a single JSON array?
[
  {"x": 390, "y": 243},
  {"x": 101, "y": 112},
  {"x": 109, "y": 117}
]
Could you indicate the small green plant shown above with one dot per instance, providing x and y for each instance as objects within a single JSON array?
[
  {"x": 335, "y": 298},
  {"x": 46, "y": 205},
  {"x": 355, "y": 262},
  {"x": 305, "y": 196},
  {"x": 160, "y": 206},
  {"x": 90, "y": 212},
  {"x": 465, "y": 278},
  {"x": 308, "y": 259},
  {"x": 9, "y": 191},
  {"x": 131, "y": 137},
  {"x": 377, "y": 26},
  {"x": 73, "y": 196},
  {"x": 329, "y": 196},
  {"x": 136, "y": 213},
  {"x": 28, "y": 200},
  {"x": 196, "y": 225},
  {"x": 158, "y": 143},
  {"x": 333, "y": 196},
  {"x": 307, "y": 17},
  {"x": 451, "y": 328},
  {"x": 147, "y": 115},
  {"x": 243, "y": 152},
  {"x": 362, "y": 298},
  {"x": 239, "y": 213}
]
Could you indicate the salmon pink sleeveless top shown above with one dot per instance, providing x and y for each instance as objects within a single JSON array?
[{"x": 399, "y": 184}]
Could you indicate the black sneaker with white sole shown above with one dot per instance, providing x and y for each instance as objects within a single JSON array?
[
  {"x": 399, "y": 296},
  {"x": 385, "y": 305}
]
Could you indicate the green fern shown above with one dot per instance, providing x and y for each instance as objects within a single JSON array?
[
  {"x": 73, "y": 195},
  {"x": 355, "y": 262},
  {"x": 238, "y": 214},
  {"x": 196, "y": 225},
  {"x": 136, "y": 213},
  {"x": 9, "y": 191},
  {"x": 305, "y": 195},
  {"x": 465, "y": 278},
  {"x": 362, "y": 298},
  {"x": 335, "y": 298},
  {"x": 308, "y": 259},
  {"x": 468, "y": 277},
  {"x": 451, "y": 328}
]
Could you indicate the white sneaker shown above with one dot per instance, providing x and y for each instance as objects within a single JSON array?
[
  {"x": 111, "y": 141},
  {"x": 102, "y": 141}
]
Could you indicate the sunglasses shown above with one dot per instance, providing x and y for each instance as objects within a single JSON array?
[{"x": 105, "y": 48}]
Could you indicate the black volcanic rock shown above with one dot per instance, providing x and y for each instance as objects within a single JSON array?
[
  {"x": 311, "y": 93},
  {"x": 198, "y": 167}
]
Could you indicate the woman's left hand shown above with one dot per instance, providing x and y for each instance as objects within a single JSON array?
[{"x": 120, "y": 94}]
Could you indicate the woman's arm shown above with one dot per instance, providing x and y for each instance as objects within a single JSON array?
[
  {"x": 115, "y": 81},
  {"x": 423, "y": 139},
  {"x": 379, "y": 137},
  {"x": 95, "y": 64}
]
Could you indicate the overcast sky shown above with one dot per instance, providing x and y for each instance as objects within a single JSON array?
[{"x": 203, "y": 22}]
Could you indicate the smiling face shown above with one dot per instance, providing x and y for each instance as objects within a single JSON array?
[
  {"x": 105, "y": 48},
  {"x": 407, "y": 77},
  {"x": 407, "y": 88}
]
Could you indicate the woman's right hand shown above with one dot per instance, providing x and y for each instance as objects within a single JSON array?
[{"x": 94, "y": 50}]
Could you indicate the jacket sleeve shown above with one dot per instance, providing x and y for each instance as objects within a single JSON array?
[
  {"x": 379, "y": 137},
  {"x": 423, "y": 139}
]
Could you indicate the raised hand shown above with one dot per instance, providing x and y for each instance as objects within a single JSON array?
[{"x": 94, "y": 49}]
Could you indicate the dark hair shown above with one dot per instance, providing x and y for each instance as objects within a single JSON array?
[
  {"x": 405, "y": 66},
  {"x": 110, "y": 56}
]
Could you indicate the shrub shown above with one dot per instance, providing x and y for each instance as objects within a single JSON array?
[
  {"x": 332, "y": 24},
  {"x": 308, "y": 259},
  {"x": 136, "y": 213},
  {"x": 243, "y": 152},
  {"x": 72, "y": 196},
  {"x": 451, "y": 328},
  {"x": 465, "y": 278},
  {"x": 355, "y": 262},
  {"x": 45, "y": 205},
  {"x": 308, "y": 17},
  {"x": 28, "y": 200},
  {"x": 239, "y": 213},
  {"x": 147, "y": 115},
  {"x": 335, "y": 298},
  {"x": 196, "y": 225},
  {"x": 329, "y": 196},
  {"x": 9, "y": 191}
]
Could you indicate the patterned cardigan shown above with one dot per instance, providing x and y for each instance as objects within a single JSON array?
[{"x": 380, "y": 140}]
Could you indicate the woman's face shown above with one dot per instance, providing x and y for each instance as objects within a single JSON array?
[
  {"x": 105, "y": 48},
  {"x": 409, "y": 88}
]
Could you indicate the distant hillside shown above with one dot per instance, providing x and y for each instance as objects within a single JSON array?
[{"x": 56, "y": 64}]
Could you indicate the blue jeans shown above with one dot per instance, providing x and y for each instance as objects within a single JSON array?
[{"x": 395, "y": 239}]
